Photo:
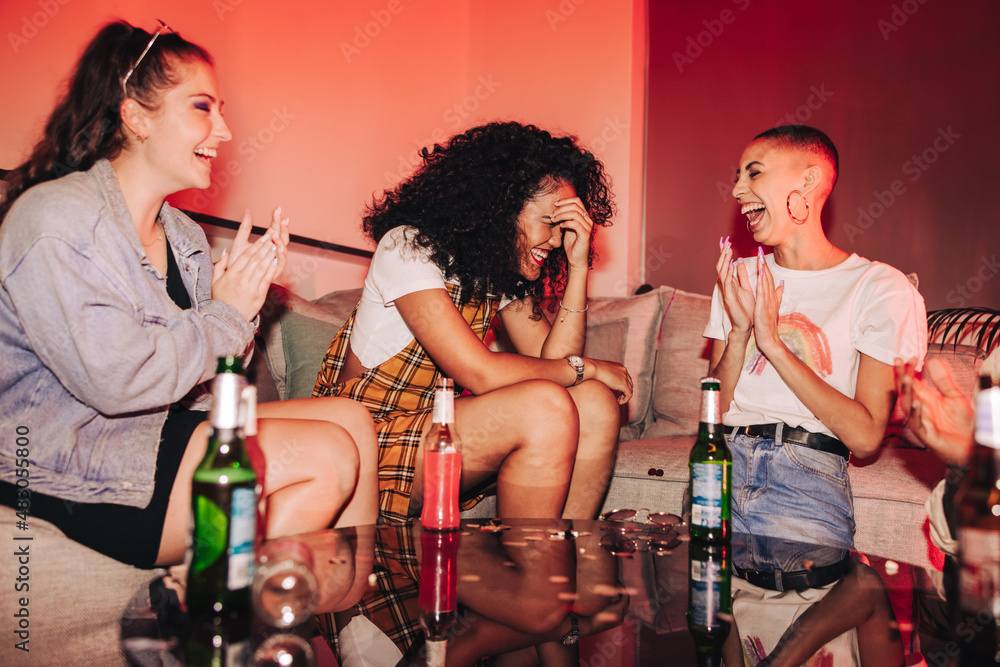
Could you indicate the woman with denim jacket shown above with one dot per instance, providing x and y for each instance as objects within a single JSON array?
[{"x": 112, "y": 317}]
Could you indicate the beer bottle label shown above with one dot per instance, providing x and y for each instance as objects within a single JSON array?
[
  {"x": 706, "y": 494},
  {"x": 979, "y": 571},
  {"x": 241, "y": 537},
  {"x": 706, "y": 592}
]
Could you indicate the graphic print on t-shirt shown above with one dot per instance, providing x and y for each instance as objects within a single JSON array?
[{"x": 806, "y": 341}]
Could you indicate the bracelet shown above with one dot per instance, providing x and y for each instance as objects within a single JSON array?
[
  {"x": 573, "y": 635},
  {"x": 570, "y": 310}
]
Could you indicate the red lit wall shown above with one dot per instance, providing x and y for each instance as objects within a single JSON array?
[
  {"x": 909, "y": 91},
  {"x": 330, "y": 101}
]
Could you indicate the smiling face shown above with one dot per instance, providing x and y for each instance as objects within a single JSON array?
[
  {"x": 767, "y": 174},
  {"x": 187, "y": 127},
  {"x": 539, "y": 234}
]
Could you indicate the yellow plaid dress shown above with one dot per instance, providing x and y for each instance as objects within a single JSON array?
[{"x": 399, "y": 393}]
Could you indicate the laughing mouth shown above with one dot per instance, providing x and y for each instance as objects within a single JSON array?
[
  {"x": 206, "y": 154},
  {"x": 754, "y": 211},
  {"x": 539, "y": 255}
]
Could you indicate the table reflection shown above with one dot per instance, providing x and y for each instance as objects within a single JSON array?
[{"x": 521, "y": 583}]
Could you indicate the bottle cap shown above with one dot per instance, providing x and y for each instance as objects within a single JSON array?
[
  {"x": 226, "y": 388},
  {"x": 444, "y": 402}
]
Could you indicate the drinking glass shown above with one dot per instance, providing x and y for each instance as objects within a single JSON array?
[{"x": 285, "y": 592}]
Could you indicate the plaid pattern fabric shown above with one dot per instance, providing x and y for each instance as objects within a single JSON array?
[
  {"x": 392, "y": 603},
  {"x": 399, "y": 393}
]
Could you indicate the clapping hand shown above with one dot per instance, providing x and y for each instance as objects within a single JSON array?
[
  {"x": 242, "y": 277},
  {"x": 942, "y": 419}
]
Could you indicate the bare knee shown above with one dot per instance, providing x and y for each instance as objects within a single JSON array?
[
  {"x": 340, "y": 463},
  {"x": 551, "y": 417},
  {"x": 600, "y": 413}
]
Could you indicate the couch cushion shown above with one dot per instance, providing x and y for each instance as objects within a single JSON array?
[
  {"x": 77, "y": 597},
  {"x": 625, "y": 330},
  {"x": 296, "y": 333},
  {"x": 651, "y": 473},
  {"x": 681, "y": 362},
  {"x": 890, "y": 489}
]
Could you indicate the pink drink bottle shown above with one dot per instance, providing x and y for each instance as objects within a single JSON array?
[{"x": 442, "y": 463}]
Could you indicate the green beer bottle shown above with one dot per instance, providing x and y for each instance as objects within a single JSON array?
[
  {"x": 710, "y": 465},
  {"x": 710, "y": 602},
  {"x": 224, "y": 510}
]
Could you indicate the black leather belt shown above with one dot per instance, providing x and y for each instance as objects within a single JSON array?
[
  {"x": 815, "y": 577},
  {"x": 797, "y": 436}
]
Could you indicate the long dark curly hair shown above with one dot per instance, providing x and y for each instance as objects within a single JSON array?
[
  {"x": 465, "y": 199},
  {"x": 86, "y": 124}
]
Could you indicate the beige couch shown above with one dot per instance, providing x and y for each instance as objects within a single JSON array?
[{"x": 658, "y": 336}]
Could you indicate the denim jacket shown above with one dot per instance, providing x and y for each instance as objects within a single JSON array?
[{"x": 92, "y": 350}]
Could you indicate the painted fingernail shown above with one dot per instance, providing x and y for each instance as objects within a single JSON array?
[
  {"x": 739, "y": 261},
  {"x": 781, "y": 283},
  {"x": 730, "y": 264},
  {"x": 720, "y": 243},
  {"x": 727, "y": 240}
]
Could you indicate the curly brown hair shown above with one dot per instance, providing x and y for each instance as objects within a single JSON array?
[{"x": 465, "y": 199}]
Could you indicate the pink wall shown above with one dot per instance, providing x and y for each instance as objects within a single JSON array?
[
  {"x": 329, "y": 101},
  {"x": 909, "y": 91}
]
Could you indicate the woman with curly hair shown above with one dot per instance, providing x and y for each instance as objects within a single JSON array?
[{"x": 494, "y": 222}]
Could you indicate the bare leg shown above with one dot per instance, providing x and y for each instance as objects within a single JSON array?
[
  {"x": 312, "y": 469},
  {"x": 600, "y": 419},
  {"x": 526, "y": 434},
  {"x": 362, "y": 508},
  {"x": 858, "y": 600}
]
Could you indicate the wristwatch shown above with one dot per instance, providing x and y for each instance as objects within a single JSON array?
[{"x": 576, "y": 363}]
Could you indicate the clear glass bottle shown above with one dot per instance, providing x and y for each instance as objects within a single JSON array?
[
  {"x": 978, "y": 510},
  {"x": 711, "y": 475},
  {"x": 224, "y": 511},
  {"x": 442, "y": 468}
]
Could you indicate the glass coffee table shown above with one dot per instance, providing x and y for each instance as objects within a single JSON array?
[{"x": 534, "y": 586}]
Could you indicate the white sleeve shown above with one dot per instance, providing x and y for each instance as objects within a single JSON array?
[
  {"x": 891, "y": 320},
  {"x": 400, "y": 267}
]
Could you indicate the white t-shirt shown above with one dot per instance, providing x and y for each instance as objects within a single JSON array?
[
  {"x": 399, "y": 267},
  {"x": 828, "y": 319}
]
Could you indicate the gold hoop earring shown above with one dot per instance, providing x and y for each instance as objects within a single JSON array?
[{"x": 788, "y": 206}]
